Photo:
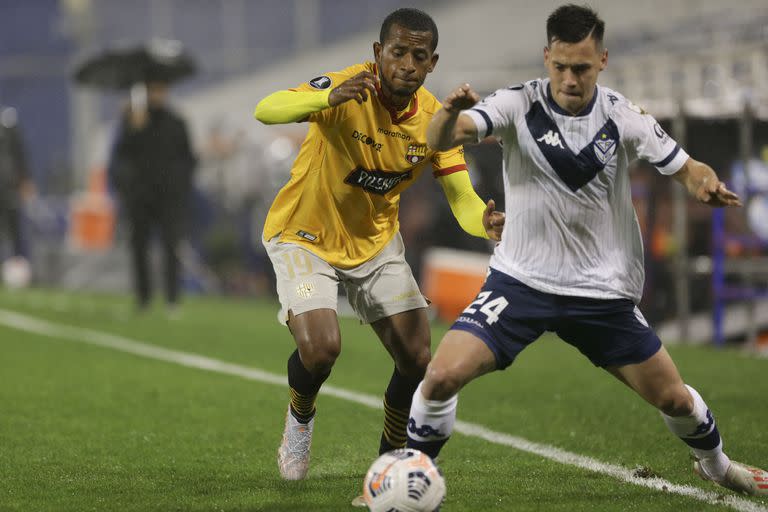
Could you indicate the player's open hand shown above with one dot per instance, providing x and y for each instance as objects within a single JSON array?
[
  {"x": 356, "y": 88},
  {"x": 493, "y": 221},
  {"x": 461, "y": 98},
  {"x": 714, "y": 193}
]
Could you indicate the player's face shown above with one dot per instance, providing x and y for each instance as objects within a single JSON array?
[
  {"x": 573, "y": 70},
  {"x": 404, "y": 58}
]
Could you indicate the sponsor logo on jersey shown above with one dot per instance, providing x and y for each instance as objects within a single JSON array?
[
  {"x": 375, "y": 181},
  {"x": 604, "y": 148},
  {"x": 394, "y": 134},
  {"x": 613, "y": 99},
  {"x": 367, "y": 140},
  {"x": 416, "y": 153},
  {"x": 320, "y": 82},
  {"x": 552, "y": 138}
]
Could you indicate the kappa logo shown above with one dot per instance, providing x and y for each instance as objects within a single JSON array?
[
  {"x": 320, "y": 82},
  {"x": 604, "y": 148},
  {"x": 552, "y": 138},
  {"x": 416, "y": 153}
]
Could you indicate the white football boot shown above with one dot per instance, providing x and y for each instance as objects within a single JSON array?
[
  {"x": 740, "y": 478},
  {"x": 293, "y": 454}
]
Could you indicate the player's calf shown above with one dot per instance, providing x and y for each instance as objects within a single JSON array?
[{"x": 397, "y": 406}]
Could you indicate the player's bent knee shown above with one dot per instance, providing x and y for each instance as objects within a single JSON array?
[
  {"x": 440, "y": 383},
  {"x": 414, "y": 363},
  {"x": 675, "y": 403},
  {"x": 319, "y": 353}
]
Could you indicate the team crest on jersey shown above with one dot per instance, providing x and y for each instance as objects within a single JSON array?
[
  {"x": 604, "y": 148},
  {"x": 416, "y": 153},
  {"x": 320, "y": 82}
]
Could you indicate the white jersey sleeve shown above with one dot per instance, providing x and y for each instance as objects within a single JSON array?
[
  {"x": 495, "y": 114},
  {"x": 650, "y": 142}
]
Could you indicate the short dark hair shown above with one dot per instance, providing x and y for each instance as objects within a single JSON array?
[
  {"x": 571, "y": 23},
  {"x": 412, "y": 19}
]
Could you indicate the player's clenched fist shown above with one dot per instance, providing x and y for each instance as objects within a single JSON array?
[
  {"x": 461, "y": 98},
  {"x": 356, "y": 88}
]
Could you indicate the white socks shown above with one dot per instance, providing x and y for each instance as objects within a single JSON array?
[
  {"x": 700, "y": 433},
  {"x": 431, "y": 422}
]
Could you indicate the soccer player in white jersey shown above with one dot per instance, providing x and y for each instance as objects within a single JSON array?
[{"x": 570, "y": 259}]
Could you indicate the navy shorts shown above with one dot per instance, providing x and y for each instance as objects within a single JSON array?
[{"x": 509, "y": 315}]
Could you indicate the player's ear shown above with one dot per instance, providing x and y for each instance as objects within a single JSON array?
[
  {"x": 377, "y": 51},
  {"x": 433, "y": 63},
  {"x": 546, "y": 55},
  {"x": 604, "y": 59}
]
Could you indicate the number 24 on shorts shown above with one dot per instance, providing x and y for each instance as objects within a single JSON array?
[{"x": 491, "y": 309}]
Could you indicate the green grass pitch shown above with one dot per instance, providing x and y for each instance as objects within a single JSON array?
[{"x": 89, "y": 428}]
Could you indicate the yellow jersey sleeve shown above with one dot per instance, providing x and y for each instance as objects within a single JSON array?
[
  {"x": 448, "y": 162},
  {"x": 290, "y": 106},
  {"x": 324, "y": 84},
  {"x": 465, "y": 204}
]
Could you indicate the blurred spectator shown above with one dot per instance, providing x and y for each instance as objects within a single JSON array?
[
  {"x": 15, "y": 183},
  {"x": 151, "y": 169}
]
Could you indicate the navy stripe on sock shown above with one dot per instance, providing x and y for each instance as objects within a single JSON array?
[
  {"x": 708, "y": 442},
  {"x": 431, "y": 448}
]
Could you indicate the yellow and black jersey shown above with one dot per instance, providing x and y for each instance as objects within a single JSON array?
[{"x": 342, "y": 199}]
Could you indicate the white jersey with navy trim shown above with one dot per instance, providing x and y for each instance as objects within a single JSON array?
[{"x": 571, "y": 228}]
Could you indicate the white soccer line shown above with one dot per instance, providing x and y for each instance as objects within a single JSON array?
[{"x": 89, "y": 336}]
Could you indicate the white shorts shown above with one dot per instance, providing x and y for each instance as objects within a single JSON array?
[{"x": 376, "y": 289}]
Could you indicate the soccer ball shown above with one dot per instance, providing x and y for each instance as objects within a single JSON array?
[
  {"x": 404, "y": 480},
  {"x": 16, "y": 272}
]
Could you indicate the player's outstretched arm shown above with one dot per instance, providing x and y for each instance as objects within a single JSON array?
[
  {"x": 702, "y": 183},
  {"x": 448, "y": 128},
  {"x": 292, "y": 106},
  {"x": 474, "y": 216}
]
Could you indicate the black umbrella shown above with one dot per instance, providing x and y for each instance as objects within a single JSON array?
[{"x": 157, "y": 61}]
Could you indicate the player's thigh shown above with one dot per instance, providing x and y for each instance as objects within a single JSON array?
[
  {"x": 383, "y": 286},
  {"x": 506, "y": 316},
  {"x": 657, "y": 380},
  {"x": 460, "y": 358},
  {"x": 304, "y": 281}
]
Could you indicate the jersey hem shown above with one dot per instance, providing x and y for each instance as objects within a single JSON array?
[{"x": 567, "y": 292}]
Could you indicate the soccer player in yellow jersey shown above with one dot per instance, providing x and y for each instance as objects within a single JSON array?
[{"x": 336, "y": 220}]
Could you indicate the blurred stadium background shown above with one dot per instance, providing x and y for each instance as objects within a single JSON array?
[
  {"x": 700, "y": 67},
  {"x": 102, "y": 410}
]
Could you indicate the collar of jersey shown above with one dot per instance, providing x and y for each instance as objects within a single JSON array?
[
  {"x": 560, "y": 110},
  {"x": 397, "y": 117}
]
